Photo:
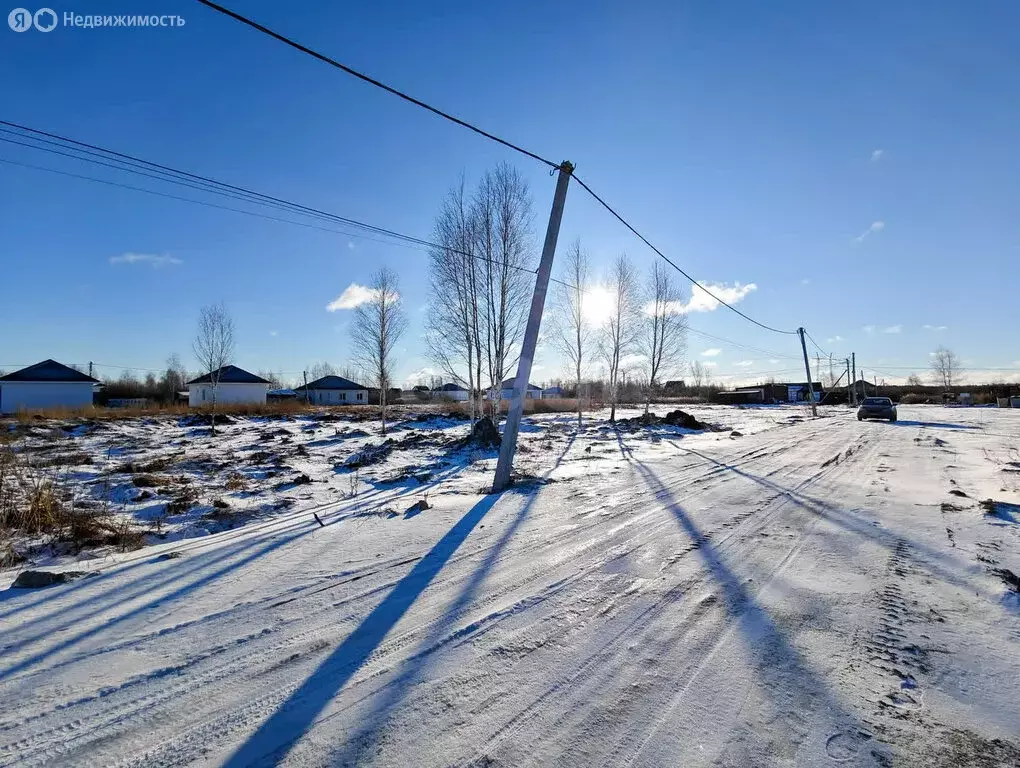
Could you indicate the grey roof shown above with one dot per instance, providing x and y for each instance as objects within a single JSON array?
[
  {"x": 332, "y": 382},
  {"x": 509, "y": 384},
  {"x": 49, "y": 370},
  {"x": 451, "y": 387},
  {"x": 231, "y": 374}
]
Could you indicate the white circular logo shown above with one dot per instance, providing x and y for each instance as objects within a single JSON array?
[
  {"x": 45, "y": 19},
  {"x": 20, "y": 20}
]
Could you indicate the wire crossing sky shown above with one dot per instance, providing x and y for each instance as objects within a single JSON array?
[{"x": 865, "y": 197}]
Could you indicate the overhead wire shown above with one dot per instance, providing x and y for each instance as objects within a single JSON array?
[
  {"x": 89, "y": 153},
  {"x": 372, "y": 81},
  {"x": 332, "y": 62},
  {"x": 824, "y": 353}
]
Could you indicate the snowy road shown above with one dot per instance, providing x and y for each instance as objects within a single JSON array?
[{"x": 817, "y": 593}]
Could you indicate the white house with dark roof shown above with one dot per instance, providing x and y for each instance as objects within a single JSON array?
[
  {"x": 451, "y": 391},
  {"x": 48, "y": 384},
  {"x": 334, "y": 390},
  {"x": 235, "y": 386},
  {"x": 506, "y": 391}
]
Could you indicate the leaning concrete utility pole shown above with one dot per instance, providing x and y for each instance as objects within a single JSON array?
[
  {"x": 513, "y": 417},
  {"x": 807, "y": 370}
]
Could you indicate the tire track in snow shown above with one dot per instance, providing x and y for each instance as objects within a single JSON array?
[{"x": 227, "y": 671}]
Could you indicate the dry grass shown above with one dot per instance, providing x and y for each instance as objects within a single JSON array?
[
  {"x": 39, "y": 506},
  {"x": 99, "y": 413}
]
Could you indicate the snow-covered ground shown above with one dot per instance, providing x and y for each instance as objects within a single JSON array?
[{"x": 803, "y": 593}]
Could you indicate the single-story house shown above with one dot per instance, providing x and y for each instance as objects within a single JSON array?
[
  {"x": 234, "y": 386},
  {"x": 334, "y": 390},
  {"x": 553, "y": 392},
  {"x": 450, "y": 391},
  {"x": 742, "y": 396},
  {"x": 48, "y": 384},
  {"x": 506, "y": 391},
  {"x": 798, "y": 393}
]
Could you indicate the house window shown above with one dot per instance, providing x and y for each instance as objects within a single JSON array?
[
  {"x": 203, "y": 394},
  {"x": 343, "y": 396},
  {"x": 359, "y": 395}
]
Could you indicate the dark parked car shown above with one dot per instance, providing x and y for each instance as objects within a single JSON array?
[{"x": 877, "y": 408}]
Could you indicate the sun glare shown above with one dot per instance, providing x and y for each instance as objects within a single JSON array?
[{"x": 597, "y": 305}]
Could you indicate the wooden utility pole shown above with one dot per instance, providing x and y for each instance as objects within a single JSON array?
[
  {"x": 304, "y": 374},
  {"x": 853, "y": 380},
  {"x": 513, "y": 418},
  {"x": 849, "y": 398},
  {"x": 807, "y": 370},
  {"x": 90, "y": 369}
]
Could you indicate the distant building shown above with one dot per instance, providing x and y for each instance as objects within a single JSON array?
[
  {"x": 450, "y": 391},
  {"x": 553, "y": 392},
  {"x": 48, "y": 384},
  {"x": 235, "y": 386},
  {"x": 334, "y": 390},
  {"x": 506, "y": 391},
  {"x": 674, "y": 387},
  {"x": 744, "y": 396}
]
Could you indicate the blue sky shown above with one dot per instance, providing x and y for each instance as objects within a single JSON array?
[{"x": 856, "y": 162}]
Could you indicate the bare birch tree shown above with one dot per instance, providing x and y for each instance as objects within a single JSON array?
[
  {"x": 377, "y": 326},
  {"x": 945, "y": 367},
  {"x": 620, "y": 332},
  {"x": 571, "y": 332},
  {"x": 502, "y": 225},
  {"x": 665, "y": 339},
  {"x": 699, "y": 375},
  {"x": 452, "y": 324},
  {"x": 174, "y": 377},
  {"x": 214, "y": 346}
]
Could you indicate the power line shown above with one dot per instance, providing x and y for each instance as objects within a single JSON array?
[
  {"x": 645, "y": 240},
  {"x": 131, "y": 164},
  {"x": 332, "y": 62},
  {"x": 373, "y": 81},
  {"x": 741, "y": 346},
  {"x": 824, "y": 353}
]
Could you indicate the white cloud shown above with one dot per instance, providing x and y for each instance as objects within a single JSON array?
[
  {"x": 869, "y": 329},
  {"x": 805, "y": 281},
  {"x": 354, "y": 295},
  {"x": 876, "y": 155},
  {"x": 273, "y": 333},
  {"x": 928, "y": 327},
  {"x": 629, "y": 362},
  {"x": 745, "y": 363},
  {"x": 876, "y": 226},
  {"x": 710, "y": 364},
  {"x": 153, "y": 260},
  {"x": 731, "y": 294},
  {"x": 420, "y": 376},
  {"x": 350, "y": 245},
  {"x": 712, "y": 352},
  {"x": 773, "y": 361},
  {"x": 892, "y": 329},
  {"x": 834, "y": 339}
]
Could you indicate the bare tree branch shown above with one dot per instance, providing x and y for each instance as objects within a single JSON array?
[
  {"x": 665, "y": 339},
  {"x": 377, "y": 326},
  {"x": 946, "y": 368},
  {"x": 214, "y": 346}
]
